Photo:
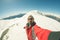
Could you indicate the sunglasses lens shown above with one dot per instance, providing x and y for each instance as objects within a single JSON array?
[{"x": 30, "y": 18}]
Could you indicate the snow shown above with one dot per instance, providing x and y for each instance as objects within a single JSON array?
[{"x": 16, "y": 26}]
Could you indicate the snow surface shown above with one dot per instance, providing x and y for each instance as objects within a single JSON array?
[{"x": 16, "y": 26}]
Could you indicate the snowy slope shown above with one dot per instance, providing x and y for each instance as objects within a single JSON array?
[{"x": 15, "y": 26}]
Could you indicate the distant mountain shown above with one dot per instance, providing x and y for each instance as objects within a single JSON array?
[
  {"x": 15, "y": 16},
  {"x": 54, "y": 17},
  {"x": 22, "y": 14}
]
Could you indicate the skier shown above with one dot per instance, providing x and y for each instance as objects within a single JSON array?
[{"x": 33, "y": 31}]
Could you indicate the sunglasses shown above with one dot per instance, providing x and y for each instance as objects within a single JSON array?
[{"x": 30, "y": 18}]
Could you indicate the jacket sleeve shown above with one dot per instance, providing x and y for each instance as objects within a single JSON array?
[{"x": 42, "y": 34}]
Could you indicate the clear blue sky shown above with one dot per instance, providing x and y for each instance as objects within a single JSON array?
[{"x": 9, "y": 6}]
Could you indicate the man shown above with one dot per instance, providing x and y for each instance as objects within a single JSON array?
[
  {"x": 34, "y": 31},
  {"x": 29, "y": 26}
]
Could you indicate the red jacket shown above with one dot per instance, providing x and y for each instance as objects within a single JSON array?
[{"x": 41, "y": 34}]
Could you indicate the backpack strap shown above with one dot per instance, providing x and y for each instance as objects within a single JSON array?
[{"x": 33, "y": 33}]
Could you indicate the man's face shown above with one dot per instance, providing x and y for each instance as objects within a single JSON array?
[{"x": 30, "y": 20}]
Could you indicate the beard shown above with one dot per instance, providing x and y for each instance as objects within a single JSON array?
[{"x": 31, "y": 24}]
